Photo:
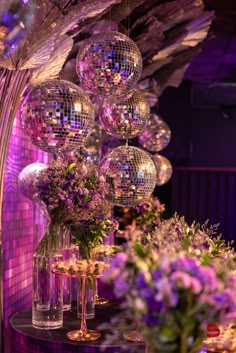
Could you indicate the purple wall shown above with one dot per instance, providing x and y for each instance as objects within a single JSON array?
[{"x": 18, "y": 227}]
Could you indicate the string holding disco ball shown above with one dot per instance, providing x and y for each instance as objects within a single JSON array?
[
  {"x": 109, "y": 64},
  {"x": 27, "y": 177},
  {"x": 127, "y": 118},
  {"x": 131, "y": 175},
  {"x": 156, "y": 135},
  {"x": 57, "y": 116},
  {"x": 164, "y": 169},
  {"x": 16, "y": 16}
]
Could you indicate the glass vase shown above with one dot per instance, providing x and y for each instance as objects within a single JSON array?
[
  {"x": 47, "y": 293},
  {"x": 67, "y": 282}
]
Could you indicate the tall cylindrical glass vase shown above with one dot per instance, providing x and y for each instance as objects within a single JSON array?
[{"x": 47, "y": 293}]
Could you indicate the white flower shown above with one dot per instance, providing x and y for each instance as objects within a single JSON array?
[{"x": 139, "y": 304}]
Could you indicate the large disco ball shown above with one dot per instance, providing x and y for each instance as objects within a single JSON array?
[
  {"x": 156, "y": 135},
  {"x": 109, "y": 64},
  {"x": 164, "y": 169},
  {"x": 131, "y": 175},
  {"x": 16, "y": 16},
  {"x": 127, "y": 118},
  {"x": 57, "y": 116},
  {"x": 27, "y": 177}
]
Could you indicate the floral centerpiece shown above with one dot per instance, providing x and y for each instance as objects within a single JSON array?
[
  {"x": 182, "y": 236},
  {"x": 75, "y": 196},
  {"x": 173, "y": 294}
]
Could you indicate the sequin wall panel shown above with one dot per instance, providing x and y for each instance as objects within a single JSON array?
[{"x": 21, "y": 225}]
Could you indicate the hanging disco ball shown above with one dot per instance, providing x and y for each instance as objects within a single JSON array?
[
  {"x": 16, "y": 16},
  {"x": 109, "y": 64},
  {"x": 131, "y": 175},
  {"x": 164, "y": 169},
  {"x": 156, "y": 135},
  {"x": 57, "y": 116},
  {"x": 27, "y": 177},
  {"x": 127, "y": 118}
]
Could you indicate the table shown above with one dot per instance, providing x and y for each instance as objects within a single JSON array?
[{"x": 27, "y": 339}]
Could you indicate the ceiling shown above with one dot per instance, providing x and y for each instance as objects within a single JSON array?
[{"x": 217, "y": 60}]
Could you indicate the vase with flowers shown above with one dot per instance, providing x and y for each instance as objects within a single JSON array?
[
  {"x": 174, "y": 294},
  {"x": 74, "y": 195}
]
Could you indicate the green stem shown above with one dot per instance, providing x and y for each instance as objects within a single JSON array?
[
  {"x": 50, "y": 243},
  {"x": 183, "y": 342}
]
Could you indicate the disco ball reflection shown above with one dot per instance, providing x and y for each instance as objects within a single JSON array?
[
  {"x": 164, "y": 169},
  {"x": 127, "y": 118},
  {"x": 156, "y": 134},
  {"x": 109, "y": 64},
  {"x": 57, "y": 116},
  {"x": 26, "y": 179},
  {"x": 16, "y": 16},
  {"x": 131, "y": 175}
]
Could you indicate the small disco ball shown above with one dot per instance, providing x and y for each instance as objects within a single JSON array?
[
  {"x": 127, "y": 118},
  {"x": 16, "y": 16},
  {"x": 90, "y": 151},
  {"x": 109, "y": 64},
  {"x": 57, "y": 116},
  {"x": 156, "y": 135},
  {"x": 164, "y": 169},
  {"x": 131, "y": 175},
  {"x": 27, "y": 177}
]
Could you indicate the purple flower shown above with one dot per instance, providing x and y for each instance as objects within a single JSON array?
[
  {"x": 185, "y": 264},
  {"x": 184, "y": 280},
  {"x": 166, "y": 293},
  {"x": 121, "y": 285}
]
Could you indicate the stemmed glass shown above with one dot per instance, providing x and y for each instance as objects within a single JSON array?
[
  {"x": 134, "y": 335},
  {"x": 102, "y": 253},
  {"x": 80, "y": 269}
]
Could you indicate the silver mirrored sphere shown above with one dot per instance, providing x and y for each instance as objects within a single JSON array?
[
  {"x": 27, "y": 178},
  {"x": 109, "y": 64},
  {"x": 164, "y": 169},
  {"x": 127, "y": 118},
  {"x": 57, "y": 116},
  {"x": 16, "y": 16},
  {"x": 90, "y": 151},
  {"x": 156, "y": 134},
  {"x": 131, "y": 175}
]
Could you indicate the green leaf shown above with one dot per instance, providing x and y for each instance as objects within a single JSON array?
[
  {"x": 167, "y": 332},
  {"x": 70, "y": 167},
  {"x": 185, "y": 244},
  {"x": 140, "y": 251},
  {"x": 92, "y": 178},
  {"x": 197, "y": 227},
  {"x": 206, "y": 259}
]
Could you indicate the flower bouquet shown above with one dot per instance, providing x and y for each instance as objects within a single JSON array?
[
  {"x": 174, "y": 295},
  {"x": 75, "y": 197}
]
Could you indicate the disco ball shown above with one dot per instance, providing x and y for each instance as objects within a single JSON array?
[
  {"x": 27, "y": 177},
  {"x": 57, "y": 116},
  {"x": 131, "y": 175},
  {"x": 156, "y": 135},
  {"x": 127, "y": 118},
  {"x": 109, "y": 64},
  {"x": 16, "y": 16},
  {"x": 164, "y": 169}
]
